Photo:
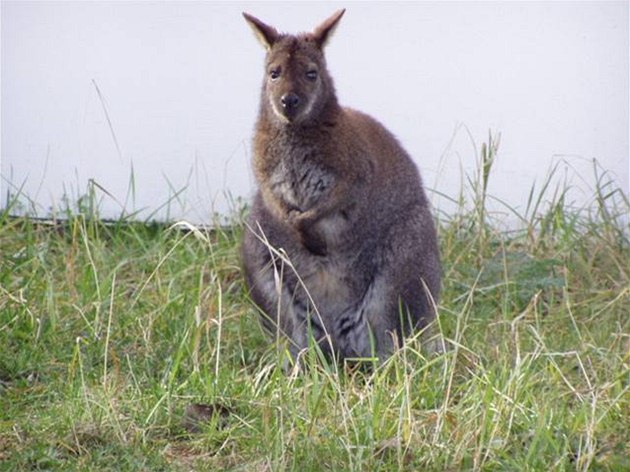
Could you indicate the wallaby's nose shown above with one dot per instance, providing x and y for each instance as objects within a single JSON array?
[{"x": 290, "y": 101}]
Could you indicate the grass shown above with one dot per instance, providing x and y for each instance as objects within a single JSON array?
[{"x": 134, "y": 346}]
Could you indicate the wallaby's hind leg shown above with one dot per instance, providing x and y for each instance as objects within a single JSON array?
[
  {"x": 409, "y": 285},
  {"x": 276, "y": 289},
  {"x": 264, "y": 274},
  {"x": 390, "y": 318}
]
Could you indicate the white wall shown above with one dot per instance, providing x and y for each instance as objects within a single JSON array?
[{"x": 180, "y": 83}]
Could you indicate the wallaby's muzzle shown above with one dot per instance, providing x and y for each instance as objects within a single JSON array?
[
  {"x": 289, "y": 107},
  {"x": 290, "y": 101}
]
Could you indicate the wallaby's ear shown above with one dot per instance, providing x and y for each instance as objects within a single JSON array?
[
  {"x": 266, "y": 34},
  {"x": 324, "y": 32}
]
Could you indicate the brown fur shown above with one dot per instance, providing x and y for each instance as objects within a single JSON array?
[{"x": 341, "y": 244}]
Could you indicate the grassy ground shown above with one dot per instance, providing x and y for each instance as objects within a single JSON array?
[{"x": 134, "y": 347}]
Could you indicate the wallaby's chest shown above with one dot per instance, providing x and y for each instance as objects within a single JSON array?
[{"x": 300, "y": 181}]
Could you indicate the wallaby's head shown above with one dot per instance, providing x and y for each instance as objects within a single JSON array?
[{"x": 297, "y": 86}]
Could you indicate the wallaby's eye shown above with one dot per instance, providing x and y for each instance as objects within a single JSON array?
[
  {"x": 274, "y": 74},
  {"x": 311, "y": 74}
]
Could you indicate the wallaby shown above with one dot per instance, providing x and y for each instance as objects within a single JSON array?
[{"x": 340, "y": 247}]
